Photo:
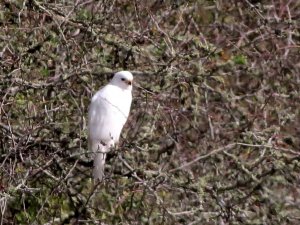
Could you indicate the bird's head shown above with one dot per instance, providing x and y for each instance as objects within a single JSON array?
[{"x": 123, "y": 79}]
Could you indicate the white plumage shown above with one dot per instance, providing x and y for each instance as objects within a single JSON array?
[{"x": 108, "y": 113}]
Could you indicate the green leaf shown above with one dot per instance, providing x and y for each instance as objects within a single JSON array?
[
  {"x": 45, "y": 72},
  {"x": 240, "y": 60}
]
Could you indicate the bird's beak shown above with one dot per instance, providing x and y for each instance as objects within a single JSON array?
[{"x": 129, "y": 82}]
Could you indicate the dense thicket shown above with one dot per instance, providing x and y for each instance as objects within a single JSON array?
[{"x": 214, "y": 132}]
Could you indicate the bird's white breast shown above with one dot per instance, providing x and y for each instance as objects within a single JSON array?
[{"x": 108, "y": 113}]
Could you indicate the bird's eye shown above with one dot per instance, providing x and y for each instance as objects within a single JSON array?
[{"x": 123, "y": 79}]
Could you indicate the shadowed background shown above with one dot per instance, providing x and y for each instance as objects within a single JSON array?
[{"x": 213, "y": 134}]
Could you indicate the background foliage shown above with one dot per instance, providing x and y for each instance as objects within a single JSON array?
[{"x": 213, "y": 135}]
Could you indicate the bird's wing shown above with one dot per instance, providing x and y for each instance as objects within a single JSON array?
[{"x": 96, "y": 122}]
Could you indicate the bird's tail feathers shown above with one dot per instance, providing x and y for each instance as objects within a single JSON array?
[
  {"x": 99, "y": 162},
  {"x": 99, "y": 159}
]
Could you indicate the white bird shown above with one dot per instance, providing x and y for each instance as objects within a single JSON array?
[{"x": 108, "y": 113}]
